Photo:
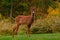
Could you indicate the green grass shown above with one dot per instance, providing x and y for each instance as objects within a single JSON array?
[{"x": 33, "y": 37}]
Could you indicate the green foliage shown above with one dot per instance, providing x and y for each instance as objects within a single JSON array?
[
  {"x": 5, "y": 7},
  {"x": 50, "y": 24},
  {"x": 21, "y": 6},
  {"x": 39, "y": 30},
  {"x": 6, "y": 32}
]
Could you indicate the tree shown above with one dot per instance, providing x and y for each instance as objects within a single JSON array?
[
  {"x": 21, "y": 6},
  {"x": 5, "y": 7}
]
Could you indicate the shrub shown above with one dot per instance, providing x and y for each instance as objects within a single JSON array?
[
  {"x": 51, "y": 24},
  {"x": 6, "y": 32},
  {"x": 41, "y": 30}
]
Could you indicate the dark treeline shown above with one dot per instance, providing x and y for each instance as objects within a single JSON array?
[{"x": 21, "y": 7}]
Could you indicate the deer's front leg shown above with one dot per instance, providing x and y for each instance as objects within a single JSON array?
[{"x": 28, "y": 30}]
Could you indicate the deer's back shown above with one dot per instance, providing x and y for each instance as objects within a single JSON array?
[{"x": 23, "y": 19}]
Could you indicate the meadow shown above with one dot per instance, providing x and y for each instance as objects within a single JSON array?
[
  {"x": 46, "y": 25},
  {"x": 53, "y": 36}
]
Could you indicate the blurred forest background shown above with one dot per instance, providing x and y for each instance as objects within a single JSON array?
[{"x": 47, "y": 16}]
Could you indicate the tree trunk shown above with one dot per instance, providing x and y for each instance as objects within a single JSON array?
[{"x": 11, "y": 11}]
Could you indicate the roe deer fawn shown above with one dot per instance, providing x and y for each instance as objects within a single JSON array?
[{"x": 21, "y": 19}]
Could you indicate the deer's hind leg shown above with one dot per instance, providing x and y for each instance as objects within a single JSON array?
[{"x": 15, "y": 29}]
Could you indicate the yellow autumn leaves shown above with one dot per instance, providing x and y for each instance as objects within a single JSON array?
[{"x": 55, "y": 11}]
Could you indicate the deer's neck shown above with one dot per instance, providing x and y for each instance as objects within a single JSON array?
[{"x": 32, "y": 15}]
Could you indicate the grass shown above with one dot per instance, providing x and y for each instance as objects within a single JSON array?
[{"x": 33, "y": 37}]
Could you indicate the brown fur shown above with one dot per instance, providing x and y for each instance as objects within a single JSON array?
[{"x": 28, "y": 20}]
